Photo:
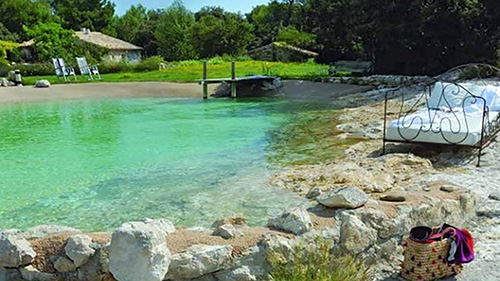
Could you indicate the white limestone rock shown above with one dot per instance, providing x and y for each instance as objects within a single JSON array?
[
  {"x": 355, "y": 236},
  {"x": 139, "y": 251},
  {"x": 199, "y": 260},
  {"x": 78, "y": 249},
  {"x": 163, "y": 224},
  {"x": 242, "y": 273},
  {"x": 296, "y": 221},
  {"x": 345, "y": 197},
  {"x": 228, "y": 231},
  {"x": 15, "y": 251},
  {"x": 42, "y": 84}
]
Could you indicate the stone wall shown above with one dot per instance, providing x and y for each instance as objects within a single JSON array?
[
  {"x": 363, "y": 227},
  {"x": 380, "y": 81}
]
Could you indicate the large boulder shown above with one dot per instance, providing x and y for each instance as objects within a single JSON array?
[
  {"x": 78, "y": 249},
  {"x": 355, "y": 236},
  {"x": 163, "y": 224},
  {"x": 199, "y": 260},
  {"x": 15, "y": 251},
  {"x": 296, "y": 221},
  {"x": 345, "y": 197},
  {"x": 139, "y": 251}
]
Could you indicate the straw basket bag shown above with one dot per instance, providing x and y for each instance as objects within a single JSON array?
[{"x": 427, "y": 261}]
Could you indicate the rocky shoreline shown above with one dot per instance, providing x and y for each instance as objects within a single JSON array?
[{"x": 366, "y": 205}]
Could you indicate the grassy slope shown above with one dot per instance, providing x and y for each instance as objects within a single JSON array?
[{"x": 192, "y": 73}]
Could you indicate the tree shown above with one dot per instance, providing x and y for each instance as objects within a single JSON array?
[
  {"x": 172, "y": 33},
  {"x": 6, "y": 35},
  {"x": 130, "y": 24},
  {"x": 267, "y": 21},
  {"x": 6, "y": 46},
  {"x": 52, "y": 41},
  {"x": 14, "y": 14},
  {"x": 294, "y": 37},
  {"x": 216, "y": 35},
  {"x": 77, "y": 14},
  {"x": 137, "y": 26}
]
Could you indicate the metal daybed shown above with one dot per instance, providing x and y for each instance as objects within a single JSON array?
[{"x": 460, "y": 107}]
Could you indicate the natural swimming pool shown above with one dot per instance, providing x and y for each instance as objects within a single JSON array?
[{"x": 95, "y": 164}]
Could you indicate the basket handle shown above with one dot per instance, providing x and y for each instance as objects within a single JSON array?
[{"x": 448, "y": 230}]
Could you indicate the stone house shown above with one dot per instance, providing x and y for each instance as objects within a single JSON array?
[{"x": 118, "y": 49}]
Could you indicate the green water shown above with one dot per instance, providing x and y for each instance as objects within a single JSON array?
[{"x": 96, "y": 164}]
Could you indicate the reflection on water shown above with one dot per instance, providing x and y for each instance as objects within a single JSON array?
[{"x": 97, "y": 164}]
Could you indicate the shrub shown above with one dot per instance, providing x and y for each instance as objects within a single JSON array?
[
  {"x": 35, "y": 69},
  {"x": 317, "y": 263},
  {"x": 149, "y": 64},
  {"x": 113, "y": 67}
]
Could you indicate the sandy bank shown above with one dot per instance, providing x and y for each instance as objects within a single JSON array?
[
  {"x": 291, "y": 89},
  {"x": 100, "y": 90}
]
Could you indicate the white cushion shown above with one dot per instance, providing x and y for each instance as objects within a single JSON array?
[{"x": 450, "y": 95}]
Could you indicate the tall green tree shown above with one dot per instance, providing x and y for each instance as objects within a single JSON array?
[
  {"x": 173, "y": 33},
  {"x": 138, "y": 26},
  {"x": 215, "y": 35},
  {"x": 14, "y": 14},
  {"x": 52, "y": 41},
  {"x": 294, "y": 37},
  {"x": 76, "y": 14}
]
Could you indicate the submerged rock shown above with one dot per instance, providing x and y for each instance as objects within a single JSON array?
[
  {"x": 296, "y": 221},
  {"x": 42, "y": 231},
  {"x": 139, "y": 251},
  {"x": 15, "y": 251},
  {"x": 345, "y": 197}
]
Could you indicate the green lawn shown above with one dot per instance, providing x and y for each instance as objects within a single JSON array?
[{"x": 192, "y": 73}]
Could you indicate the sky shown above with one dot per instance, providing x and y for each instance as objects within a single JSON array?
[{"x": 243, "y": 6}]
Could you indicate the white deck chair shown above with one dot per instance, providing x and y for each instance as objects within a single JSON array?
[
  {"x": 86, "y": 69},
  {"x": 61, "y": 69}
]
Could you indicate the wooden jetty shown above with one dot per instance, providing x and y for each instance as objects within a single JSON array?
[{"x": 233, "y": 80}]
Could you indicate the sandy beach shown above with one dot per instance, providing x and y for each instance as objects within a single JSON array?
[{"x": 291, "y": 89}]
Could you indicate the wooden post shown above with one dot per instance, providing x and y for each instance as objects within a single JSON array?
[
  {"x": 233, "y": 77},
  {"x": 205, "y": 85}
]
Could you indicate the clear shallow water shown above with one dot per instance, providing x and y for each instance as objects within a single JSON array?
[{"x": 96, "y": 164}]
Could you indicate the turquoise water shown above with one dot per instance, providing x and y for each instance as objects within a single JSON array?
[{"x": 96, "y": 164}]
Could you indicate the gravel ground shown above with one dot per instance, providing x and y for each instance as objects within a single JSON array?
[{"x": 485, "y": 181}]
